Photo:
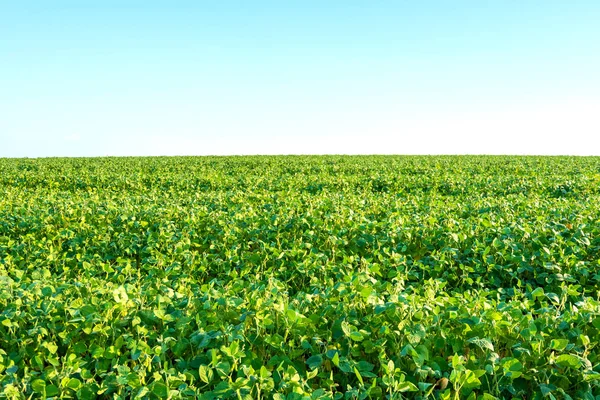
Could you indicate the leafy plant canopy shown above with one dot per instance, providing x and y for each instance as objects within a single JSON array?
[{"x": 329, "y": 277}]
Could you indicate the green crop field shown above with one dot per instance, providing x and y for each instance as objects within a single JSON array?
[{"x": 330, "y": 277}]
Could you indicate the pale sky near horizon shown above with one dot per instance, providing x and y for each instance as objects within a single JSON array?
[{"x": 127, "y": 77}]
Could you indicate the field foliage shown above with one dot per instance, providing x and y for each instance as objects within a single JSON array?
[{"x": 300, "y": 278}]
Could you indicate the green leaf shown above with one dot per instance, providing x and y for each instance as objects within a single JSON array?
[
  {"x": 52, "y": 348},
  {"x": 39, "y": 386},
  {"x": 120, "y": 295},
  {"x": 546, "y": 250},
  {"x": 471, "y": 381},
  {"x": 336, "y": 360},
  {"x": 366, "y": 291},
  {"x": 52, "y": 390},
  {"x": 206, "y": 373},
  {"x": 73, "y": 383},
  {"x": 293, "y": 315},
  {"x": 358, "y": 376},
  {"x": 314, "y": 361},
  {"x": 97, "y": 352},
  {"x": 160, "y": 390},
  {"x": 512, "y": 367},
  {"x": 538, "y": 292},
  {"x": 553, "y": 297},
  {"x": 347, "y": 328},
  {"x": 223, "y": 368},
  {"x": 487, "y": 396},
  {"x": 264, "y": 372},
  {"x": 547, "y": 389},
  {"x": 568, "y": 360},
  {"x": 483, "y": 344},
  {"x": 585, "y": 340},
  {"x": 558, "y": 344},
  {"x": 591, "y": 377},
  {"x": 406, "y": 386}
]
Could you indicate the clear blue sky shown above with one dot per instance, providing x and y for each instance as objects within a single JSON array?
[{"x": 312, "y": 76}]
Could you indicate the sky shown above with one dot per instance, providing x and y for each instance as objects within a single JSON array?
[{"x": 132, "y": 78}]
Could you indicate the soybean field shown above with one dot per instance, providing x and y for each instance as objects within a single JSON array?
[{"x": 300, "y": 277}]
